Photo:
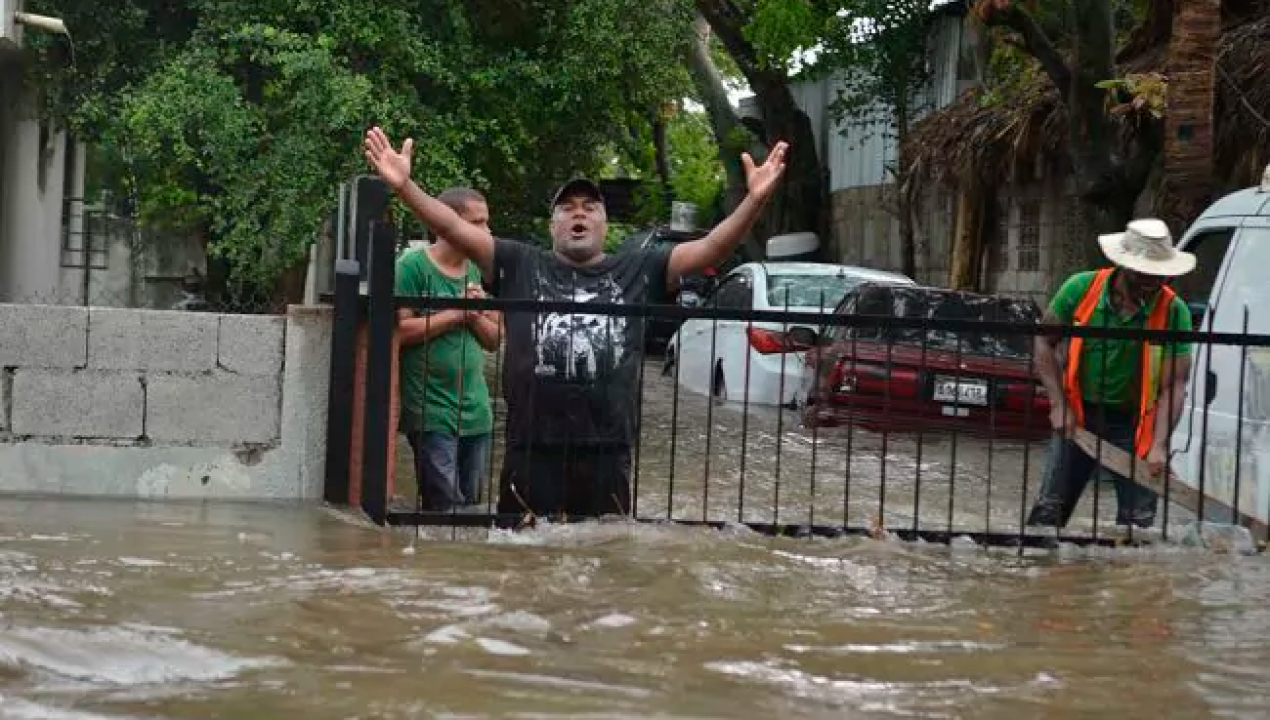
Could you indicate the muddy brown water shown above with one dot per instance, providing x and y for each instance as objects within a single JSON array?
[
  {"x": 705, "y": 460},
  {"x": 112, "y": 609},
  {"x": 129, "y": 610}
]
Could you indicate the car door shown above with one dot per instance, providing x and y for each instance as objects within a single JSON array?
[
  {"x": 1222, "y": 437},
  {"x": 731, "y": 339},
  {"x": 695, "y": 365},
  {"x": 700, "y": 335}
]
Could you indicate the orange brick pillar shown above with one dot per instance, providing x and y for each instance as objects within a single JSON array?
[{"x": 359, "y": 417}]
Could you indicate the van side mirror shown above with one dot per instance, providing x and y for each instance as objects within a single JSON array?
[
  {"x": 1199, "y": 310},
  {"x": 803, "y": 337}
]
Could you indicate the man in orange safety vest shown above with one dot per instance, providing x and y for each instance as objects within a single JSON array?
[{"x": 1128, "y": 392}]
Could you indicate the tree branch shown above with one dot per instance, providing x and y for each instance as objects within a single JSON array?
[
  {"x": 1037, "y": 44},
  {"x": 709, "y": 83},
  {"x": 728, "y": 23}
]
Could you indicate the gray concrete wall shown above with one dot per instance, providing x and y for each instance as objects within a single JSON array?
[
  {"x": 154, "y": 404},
  {"x": 31, "y": 195}
]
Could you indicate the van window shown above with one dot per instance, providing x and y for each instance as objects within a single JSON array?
[
  {"x": 1246, "y": 287},
  {"x": 1209, "y": 248}
]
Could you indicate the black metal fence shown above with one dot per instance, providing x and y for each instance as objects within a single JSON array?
[{"x": 922, "y": 428}]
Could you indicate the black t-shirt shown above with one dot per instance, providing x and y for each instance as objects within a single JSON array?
[{"x": 574, "y": 378}]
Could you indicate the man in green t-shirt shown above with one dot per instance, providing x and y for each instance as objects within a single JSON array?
[
  {"x": 445, "y": 403},
  {"x": 1101, "y": 387}
]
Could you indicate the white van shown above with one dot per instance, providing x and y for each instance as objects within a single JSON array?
[{"x": 1227, "y": 414}]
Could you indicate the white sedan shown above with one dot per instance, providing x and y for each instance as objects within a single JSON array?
[{"x": 756, "y": 362}]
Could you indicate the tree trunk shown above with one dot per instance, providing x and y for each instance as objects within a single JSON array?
[
  {"x": 728, "y": 131},
  {"x": 966, "y": 268},
  {"x": 800, "y": 203},
  {"x": 661, "y": 157},
  {"x": 904, "y": 199},
  {"x": 1092, "y": 137},
  {"x": 1103, "y": 183},
  {"x": 1154, "y": 31},
  {"x": 1188, "y": 125}
]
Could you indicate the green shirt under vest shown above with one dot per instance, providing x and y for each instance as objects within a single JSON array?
[
  {"x": 442, "y": 381},
  {"x": 1109, "y": 368}
]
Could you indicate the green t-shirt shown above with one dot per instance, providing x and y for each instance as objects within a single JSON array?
[
  {"x": 442, "y": 382},
  {"x": 1109, "y": 368}
]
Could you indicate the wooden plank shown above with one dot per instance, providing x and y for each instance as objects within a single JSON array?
[{"x": 1120, "y": 462}]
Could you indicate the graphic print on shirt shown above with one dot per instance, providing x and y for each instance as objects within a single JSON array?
[{"x": 577, "y": 346}]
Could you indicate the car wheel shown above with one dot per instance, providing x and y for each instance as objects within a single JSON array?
[{"x": 719, "y": 388}]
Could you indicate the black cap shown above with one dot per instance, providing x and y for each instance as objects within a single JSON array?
[{"x": 577, "y": 186}]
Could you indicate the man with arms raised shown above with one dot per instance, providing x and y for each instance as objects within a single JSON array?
[{"x": 571, "y": 380}]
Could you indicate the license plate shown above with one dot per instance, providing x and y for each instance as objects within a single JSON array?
[{"x": 960, "y": 391}]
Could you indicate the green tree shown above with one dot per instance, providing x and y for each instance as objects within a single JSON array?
[
  {"x": 690, "y": 171},
  {"x": 236, "y": 121},
  {"x": 697, "y": 176}
]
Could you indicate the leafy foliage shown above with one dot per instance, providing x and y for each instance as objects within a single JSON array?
[
  {"x": 696, "y": 174},
  {"x": 236, "y": 121},
  {"x": 883, "y": 47},
  {"x": 782, "y": 29},
  {"x": 877, "y": 48},
  {"x": 1137, "y": 93}
]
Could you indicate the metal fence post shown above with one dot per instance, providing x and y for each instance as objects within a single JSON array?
[
  {"x": 339, "y": 423},
  {"x": 381, "y": 323}
]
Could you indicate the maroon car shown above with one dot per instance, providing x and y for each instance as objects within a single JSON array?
[{"x": 906, "y": 379}]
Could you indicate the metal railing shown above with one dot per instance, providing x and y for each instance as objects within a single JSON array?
[{"x": 874, "y": 452}]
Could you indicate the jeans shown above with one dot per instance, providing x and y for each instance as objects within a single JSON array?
[
  {"x": 1068, "y": 470},
  {"x": 450, "y": 469}
]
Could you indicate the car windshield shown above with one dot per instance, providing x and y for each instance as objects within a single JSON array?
[
  {"x": 939, "y": 305},
  {"x": 808, "y": 290}
]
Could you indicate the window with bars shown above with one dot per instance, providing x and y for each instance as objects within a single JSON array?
[
  {"x": 997, "y": 253},
  {"x": 1029, "y": 248}
]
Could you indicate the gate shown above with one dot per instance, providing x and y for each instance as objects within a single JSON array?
[{"x": 920, "y": 440}]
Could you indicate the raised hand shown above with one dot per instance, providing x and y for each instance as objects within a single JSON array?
[
  {"x": 392, "y": 166},
  {"x": 762, "y": 180}
]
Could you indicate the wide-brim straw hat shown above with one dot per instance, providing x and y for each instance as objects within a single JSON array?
[{"x": 1146, "y": 246}]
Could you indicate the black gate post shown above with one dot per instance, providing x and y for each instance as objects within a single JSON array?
[
  {"x": 381, "y": 323},
  {"x": 339, "y": 419}
]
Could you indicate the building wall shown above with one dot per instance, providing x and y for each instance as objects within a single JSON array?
[
  {"x": 111, "y": 261},
  {"x": 866, "y": 231},
  {"x": 163, "y": 404},
  {"x": 40, "y": 167}
]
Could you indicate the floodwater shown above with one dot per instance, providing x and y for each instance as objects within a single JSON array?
[
  {"x": 112, "y": 609},
  {"x": 129, "y": 610},
  {"x": 700, "y": 459}
]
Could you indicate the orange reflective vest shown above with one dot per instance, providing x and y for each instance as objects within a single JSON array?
[{"x": 1158, "y": 320}]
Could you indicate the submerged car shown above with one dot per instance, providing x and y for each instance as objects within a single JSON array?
[
  {"x": 925, "y": 378},
  {"x": 757, "y": 362}
]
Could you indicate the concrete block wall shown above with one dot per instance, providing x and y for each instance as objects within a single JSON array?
[{"x": 107, "y": 401}]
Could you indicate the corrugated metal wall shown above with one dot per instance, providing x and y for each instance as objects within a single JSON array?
[
  {"x": 861, "y": 152},
  {"x": 861, "y": 148}
]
